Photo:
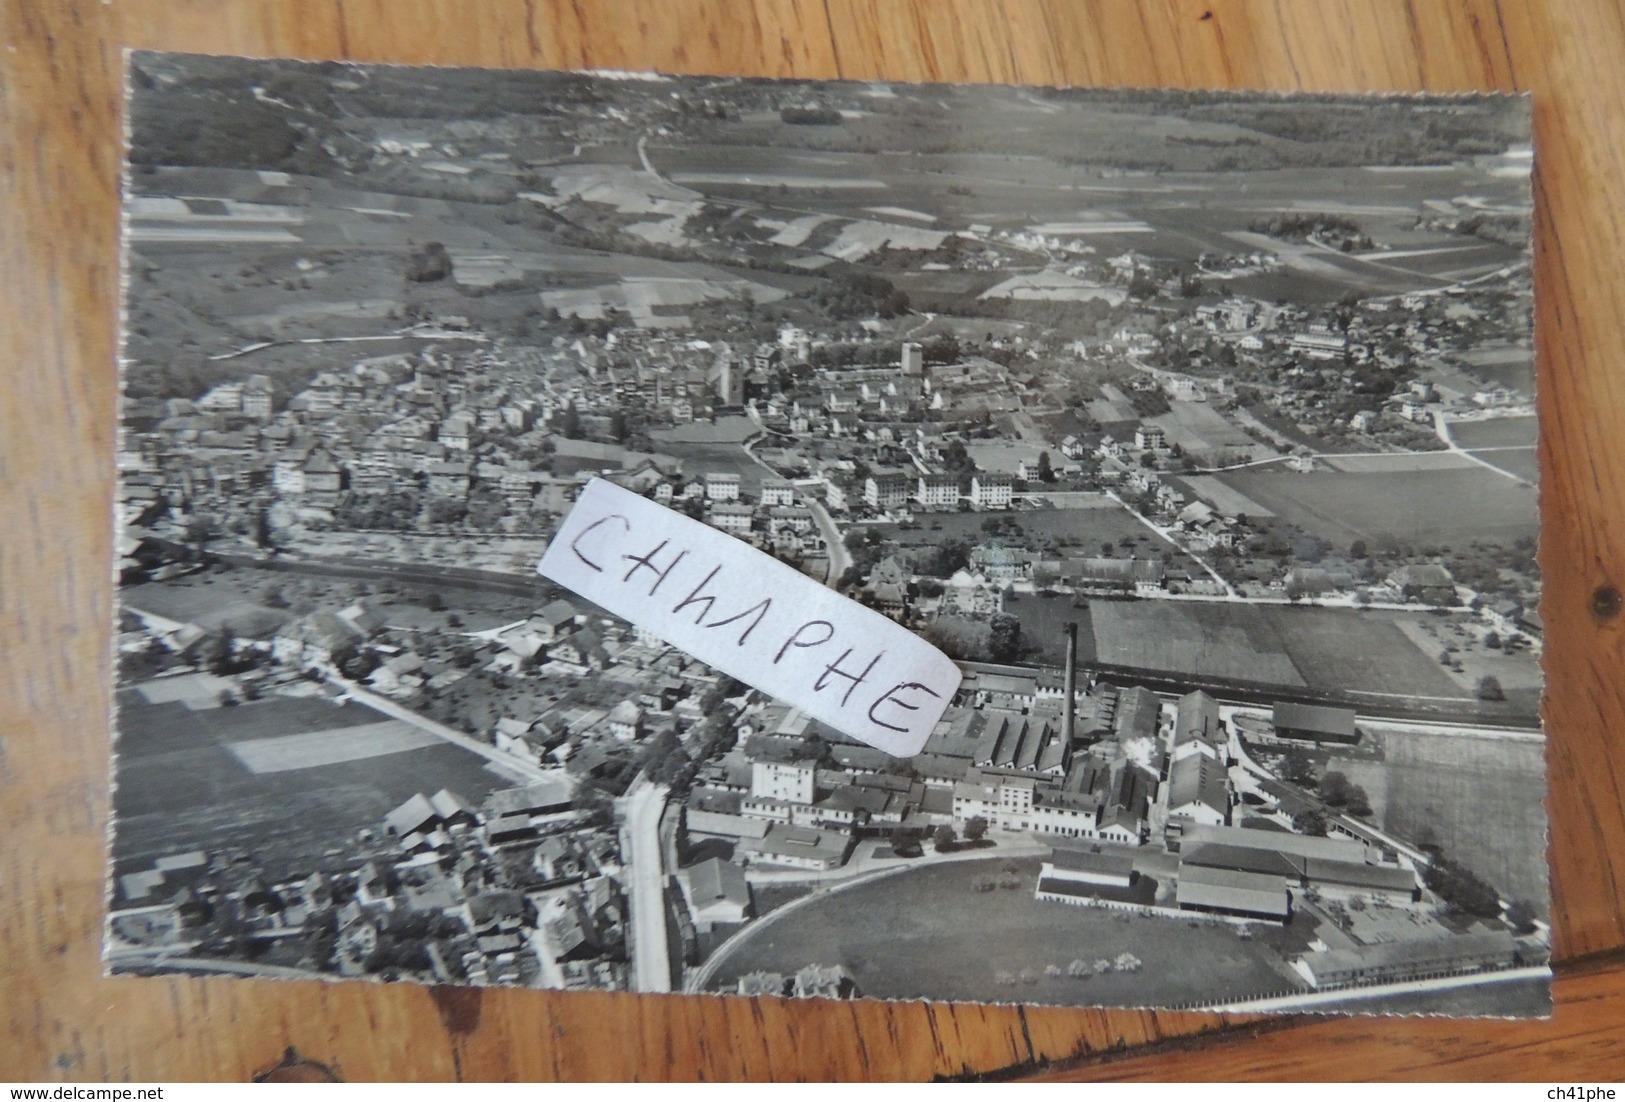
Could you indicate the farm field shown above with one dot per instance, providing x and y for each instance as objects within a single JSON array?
[
  {"x": 1519, "y": 461},
  {"x": 1332, "y": 649},
  {"x": 1420, "y": 508},
  {"x": 288, "y": 817},
  {"x": 1495, "y": 432},
  {"x": 951, "y": 950},
  {"x": 1207, "y": 640},
  {"x": 1480, "y": 797},
  {"x": 1198, "y": 427},
  {"x": 1335, "y": 648}
]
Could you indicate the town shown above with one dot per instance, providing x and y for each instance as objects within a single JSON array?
[{"x": 1232, "y": 575}]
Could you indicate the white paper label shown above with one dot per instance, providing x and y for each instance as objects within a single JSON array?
[{"x": 752, "y": 617}]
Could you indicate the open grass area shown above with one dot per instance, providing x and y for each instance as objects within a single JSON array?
[
  {"x": 1419, "y": 508},
  {"x": 178, "y": 785},
  {"x": 928, "y": 934},
  {"x": 1481, "y": 798}
]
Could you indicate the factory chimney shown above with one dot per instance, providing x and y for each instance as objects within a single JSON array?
[{"x": 1069, "y": 684}]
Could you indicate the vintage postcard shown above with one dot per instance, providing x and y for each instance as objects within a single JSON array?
[{"x": 1197, "y": 429}]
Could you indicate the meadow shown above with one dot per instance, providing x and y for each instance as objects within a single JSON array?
[
  {"x": 962, "y": 944},
  {"x": 1427, "y": 508}
]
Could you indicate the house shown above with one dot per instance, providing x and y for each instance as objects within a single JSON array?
[
  {"x": 257, "y": 397},
  {"x": 778, "y": 491},
  {"x": 991, "y": 491},
  {"x": 1150, "y": 438},
  {"x": 732, "y": 517},
  {"x": 887, "y": 490},
  {"x": 1315, "y": 722},
  {"x": 625, "y": 721},
  {"x": 559, "y": 858},
  {"x": 1091, "y": 867},
  {"x": 401, "y": 675},
  {"x": 1142, "y": 577},
  {"x": 721, "y": 486},
  {"x": 553, "y": 621},
  {"x": 448, "y": 479},
  {"x": 1229, "y": 892},
  {"x": 784, "y": 780},
  {"x": 1198, "y": 728},
  {"x": 1400, "y": 961},
  {"x": 796, "y": 847},
  {"x": 581, "y": 651},
  {"x": 716, "y": 893},
  {"x": 888, "y": 584},
  {"x": 937, "y": 491},
  {"x": 1199, "y": 790},
  {"x": 1425, "y": 583}
]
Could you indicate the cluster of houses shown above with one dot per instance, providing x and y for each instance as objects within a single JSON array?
[{"x": 514, "y": 891}]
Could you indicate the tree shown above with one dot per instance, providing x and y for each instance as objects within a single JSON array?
[
  {"x": 905, "y": 841},
  {"x": 570, "y": 422},
  {"x": 1004, "y": 638},
  {"x": 433, "y": 601},
  {"x": 1357, "y": 550},
  {"x": 216, "y": 655},
  {"x": 428, "y": 264},
  {"x": 262, "y": 530},
  {"x": 944, "y": 838},
  {"x": 1046, "y": 473},
  {"x": 975, "y": 828},
  {"x": 1489, "y": 688},
  {"x": 200, "y": 531},
  {"x": 1521, "y": 916},
  {"x": 1461, "y": 888},
  {"x": 1335, "y": 788},
  {"x": 1310, "y": 821}
]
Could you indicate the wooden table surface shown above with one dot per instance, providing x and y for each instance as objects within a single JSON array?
[{"x": 59, "y": 153}]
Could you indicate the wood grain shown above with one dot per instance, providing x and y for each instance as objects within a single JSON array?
[{"x": 59, "y": 150}]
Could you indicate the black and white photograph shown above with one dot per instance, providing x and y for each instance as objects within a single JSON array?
[{"x": 1197, "y": 428}]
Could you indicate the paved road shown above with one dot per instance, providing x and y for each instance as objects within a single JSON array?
[
  {"x": 839, "y": 557},
  {"x": 1441, "y": 425},
  {"x": 646, "y": 884}
]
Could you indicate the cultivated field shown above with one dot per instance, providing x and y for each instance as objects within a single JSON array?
[
  {"x": 1481, "y": 798},
  {"x": 1206, "y": 640},
  {"x": 1224, "y": 498},
  {"x": 282, "y": 753},
  {"x": 927, "y": 933},
  {"x": 1333, "y": 649},
  {"x": 1516, "y": 461},
  {"x": 179, "y": 785},
  {"x": 1421, "y": 508},
  {"x": 1495, "y": 432},
  {"x": 1198, "y": 427}
]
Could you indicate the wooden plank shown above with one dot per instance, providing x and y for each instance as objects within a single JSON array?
[{"x": 59, "y": 103}]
